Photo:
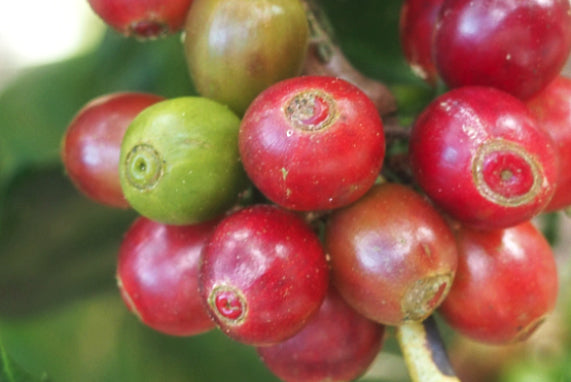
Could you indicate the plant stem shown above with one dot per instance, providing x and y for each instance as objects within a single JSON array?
[
  {"x": 325, "y": 58},
  {"x": 424, "y": 352}
]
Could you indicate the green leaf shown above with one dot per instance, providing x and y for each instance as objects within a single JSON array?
[
  {"x": 55, "y": 245},
  {"x": 12, "y": 372},
  {"x": 97, "y": 339},
  {"x": 370, "y": 37}
]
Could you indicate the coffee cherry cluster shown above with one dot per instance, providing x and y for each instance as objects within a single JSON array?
[
  {"x": 489, "y": 152},
  {"x": 263, "y": 210}
]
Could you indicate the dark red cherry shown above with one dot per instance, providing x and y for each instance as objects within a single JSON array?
[
  {"x": 552, "y": 110},
  {"x": 416, "y": 27},
  {"x": 263, "y": 275},
  {"x": 338, "y": 344},
  {"x": 393, "y": 257},
  {"x": 157, "y": 274},
  {"x": 506, "y": 284},
  {"x": 312, "y": 143},
  {"x": 479, "y": 155},
  {"x": 92, "y": 144},
  {"x": 144, "y": 20},
  {"x": 515, "y": 46}
]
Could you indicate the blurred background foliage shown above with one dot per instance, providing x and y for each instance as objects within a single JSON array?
[{"x": 60, "y": 311}]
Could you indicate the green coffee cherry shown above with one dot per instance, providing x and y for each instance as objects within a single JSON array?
[
  {"x": 235, "y": 48},
  {"x": 180, "y": 162}
]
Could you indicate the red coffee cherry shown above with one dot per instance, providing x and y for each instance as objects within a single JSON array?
[
  {"x": 515, "y": 46},
  {"x": 416, "y": 27},
  {"x": 157, "y": 274},
  {"x": 505, "y": 286},
  {"x": 143, "y": 19},
  {"x": 480, "y": 156},
  {"x": 338, "y": 344},
  {"x": 552, "y": 109},
  {"x": 312, "y": 143},
  {"x": 393, "y": 257},
  {"x": 92, "y": 144},
  {"x": 263, "y": 275}
]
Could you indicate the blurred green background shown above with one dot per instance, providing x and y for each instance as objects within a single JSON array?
[{"x": 60, "y": 311}]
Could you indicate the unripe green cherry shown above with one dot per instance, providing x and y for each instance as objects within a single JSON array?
[
  {"x": 235, "y": 49},
  {"x": 179, "y": 161}
]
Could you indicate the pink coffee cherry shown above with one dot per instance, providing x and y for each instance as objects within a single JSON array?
[
  {"x": 393, "y": 257},
  {"x": 337, "y": 344},
  {"x": 263, "y": 275},
  {"x": 143, "y": 19},
  {"x": 478, "y": 153},
  {"x": 312, "y": 143},
  {"x": 416, "y": 27},
  {"x": 516, "y": 46},
  {"x": 157, "y": 273},
  {"x": 552, "y": 110},
  {"x": 506, "y": 284},
  {"x": 92, "y": 144}
]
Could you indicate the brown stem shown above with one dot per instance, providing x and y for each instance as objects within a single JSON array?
[
  {"x": 397, "y": 169},
  {"x": 394, "y": 130},
  {"x": 325, "y": 58},
  {"x": 397, "y": 164}
]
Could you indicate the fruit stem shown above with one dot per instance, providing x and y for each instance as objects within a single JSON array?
[
  {"x": 325, "y": 58},
  {"x": 424, "y": 352}
]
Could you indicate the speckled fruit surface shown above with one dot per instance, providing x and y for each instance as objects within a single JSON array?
[
  {"x": 263, "y": 275},
  {"x": 312, "y": 143}
]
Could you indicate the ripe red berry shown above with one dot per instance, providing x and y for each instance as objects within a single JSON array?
[
  {"x": 92, "y": 143},
  {"x": 516, "y": 46},
  {"x": 552, "y": 109},
  {"x": 393, "y": 257},
  {"x": 157, "y": 274},
  {"x": 143, "y": 19},
  {"x": 263, "y": 275},
  {"x": 312, "y": 143},
  {"x": 337, "y": 344},
  {"x": 505, "y": 285},
  {"x": 416, "y": 27},
  {"x": 480, "y": 156}
]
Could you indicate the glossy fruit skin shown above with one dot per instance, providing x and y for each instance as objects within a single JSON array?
[
  {"x": 479, "y": 155},
  {"x": 393, "y": 257},
  {"x": 416, "y": 29},
  {"x": 258, "y": 43},
  {"x": 552, "y": 110},
  {"x": 516, "y": 46},
  {"x": 142, "y": 19},
  {"x": 92, "y": 143},
  {"x": 505, "y": 285},
  {"x": 263, "y": 275},
  {"x": 312, "y": 143},
  {"x": 157, "y": 274},
  {"x": 180, "y": 163},
  {"x": 337, "y": 344}
]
